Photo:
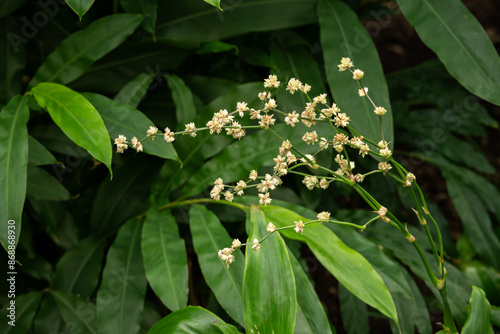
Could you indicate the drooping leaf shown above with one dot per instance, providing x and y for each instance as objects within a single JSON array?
[
  {"x": 165, "y": 259},
  {"x": 120, "y": 299},
  {"x": 13, "y": 55},
  {"x": 134, "y": 91},
  {"x": 24, "y": 310},
  {"x": 460, "y": 42},
  {"x": 38, "y": 155},
  {"x": 78, "y": 269},
  {"x": 343, "y": 35},
  {"x": 13, "y": 165},
  {"x": 43, "y": 186},
  {"x": 269, "y": 295},
  {"x": 183, "y": 98},
  {"x": 188, "y": 320},
  {"x": 77, "y": 118},
  {"x": 76, "y": 54},
  {"x": 362, "y": 280},
  {"x": 80, "y": 7},
  {"x": 209, "y": 236},
  {"x": 121, "y": 119},
  {"x": 147, "y": 8},
  {"x": 478, "y": 319},
  {"x": 76, "y": 312},
  {"x": 196, "y": 22},
  {"x": 354, "y": 312}
]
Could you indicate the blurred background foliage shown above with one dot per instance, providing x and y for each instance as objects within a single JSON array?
[{"x": 182, "y": 61}]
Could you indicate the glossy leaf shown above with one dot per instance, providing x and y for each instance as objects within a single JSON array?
[
  {"x": 120, "y": 299},
  {"x": 13, "y": 55},
  {"x": 362, "y": 280},
  {"x": 269, "y": 296},
  {"x": 76, "y": 54},
  {"x": 197, "y": 22},
  {"x": 454, "y": 34},
  {"x": 215, "y": 3},
  {"x": 77, "y": 313},
  {"x": 209, "y": 236},
  {"x": 43, "y": 186},
  {"x": 343, "y": 35},
  {"x": 13, "y": 165},
  {"x": 476, "y": 221},
  {"x": 77, "y": 118},
  {"x": 227, "y": 328},
  {"x": 311, "y": 316},
  {"x": 79, "y": 268},
  {"x": 121, "y": 119},
  {"x": 188, "y": 320},
  {"x": 135, "y": 90},
  {"x": 147, "y": 8},
  {"x": 165, "y": 259},
  {"x": 119, "y": 199},
  {"x": 38, "y": 155},
  {"x": 25, "y": 308},
  {"x": 478, "y": 319},
  {"x": 80, "y": 7},
  {"x": 353, "y": 311},
  {"x": 185, "y": 111}
]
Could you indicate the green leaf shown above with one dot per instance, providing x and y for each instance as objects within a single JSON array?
[
  {"x": 343, "y": 35},
  {"x": 147, "y": 8},
  {"x": 121, "y": 119},
  {"x": 215, "y": 3},
  {"x": 79, "y": 269},
  {"x": 362, "y": 280},
  {"x": 38, "y": 155},
  {"x": 188, "y": 320},
  {"x": 48, "y": 318},
  {"x": 216, "y": 47},
  {"x": 76, "y": 312},
  {"x": 13, "y": 165},
  {"x": 25, "y": 307},
  {"x": 454, "y": 34},
  {"x": 120, "y": 299},
  {"x": 8, "y": 6},
  {"x": 165, "y": 259},
  {"x": 476, "y": 221},
  {"x": 478, "y": 319},
  {"x": 135, "y": 90},
  {"x": 80, "y": 7},
  {"x": 311, "y": 316},
  {"x": 76, "y": 54},
  {"x": 185, "y": 110},
  {"x": 77, "y": 118},
  {"x": 209, "y": 236},
  {"x": 353, "y": 311},
  {"x": 43, "y": 186},
  {"x": 195, "y": 22},
  {"x": 13, "y": 55},
  {"x": 269, "y": 295}
]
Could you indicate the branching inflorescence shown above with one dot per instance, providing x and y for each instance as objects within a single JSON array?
[{"x": 290, "y": 160}]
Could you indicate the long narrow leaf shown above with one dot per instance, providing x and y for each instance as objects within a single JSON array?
[
  {"x": 78, "y": 314},
  {"x": 478, "y": 319},
  {"x": 80, "y": 7},
  {"x": 183, "y": 98},
  {"x": 189, "y": 320},
  {"x": 133, "y": 92},
  {"x": 120, "y": 299},
  {"x": 76, "y": 54},
  {"x": 342, "y": 35},
  {"x": 269, "y": 296},
  {"x": 209, "y": 236},
  {"x": 165, "y": 259},
  {"x": 455, "y": 35},
  {"x": 43, "y": 186},
  {"x": 21, "y": 314},
  {"x": 13, "y": 165}
]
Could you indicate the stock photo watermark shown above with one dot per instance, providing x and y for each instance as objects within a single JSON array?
[{"x": 11, "y": 273}]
